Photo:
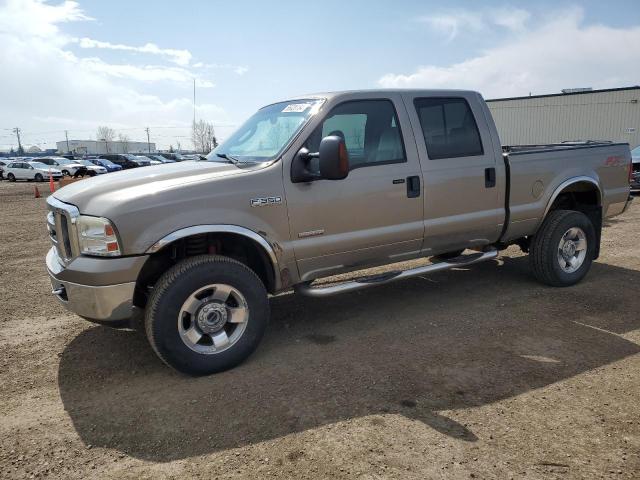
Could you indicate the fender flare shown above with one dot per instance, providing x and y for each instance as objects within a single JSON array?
[
  {"x": 222, "y": 228},
  {"x": 565, "y": 184}
]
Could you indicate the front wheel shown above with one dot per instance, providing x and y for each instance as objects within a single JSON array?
[
  {"x": 206, "y": 314},
  {"x": 39, "y": 177},
  {"x": 66, "y": 173},
  {"x": 561, "y": 252}
]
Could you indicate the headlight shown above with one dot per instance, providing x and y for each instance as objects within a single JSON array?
[{"x": 96, "y": 236}]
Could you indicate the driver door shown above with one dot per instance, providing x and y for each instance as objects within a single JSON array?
[{"x": 375, "y": 214}]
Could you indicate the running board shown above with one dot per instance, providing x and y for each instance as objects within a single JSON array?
[{"x": 388, "y": 277}]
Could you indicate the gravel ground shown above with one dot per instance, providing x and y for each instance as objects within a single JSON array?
[{"x": 475, "y": 373}]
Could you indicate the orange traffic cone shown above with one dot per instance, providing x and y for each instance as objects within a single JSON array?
[
  {"x": 52, "y": 187},
  {"x": 36, "y": 192}
]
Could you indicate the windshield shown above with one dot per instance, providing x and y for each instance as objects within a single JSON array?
[
  {"x": 86, "y": 162},
  {"x": 39, "y": 165},
  {"x": 636, "y": 151},
  {"x": 64, "y": 161},
  {"x": 267, "y": 132}
]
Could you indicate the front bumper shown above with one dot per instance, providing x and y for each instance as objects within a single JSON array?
[{"x": 104, "y": 303}]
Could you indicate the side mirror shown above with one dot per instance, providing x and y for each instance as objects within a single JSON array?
[
  {"x": 333, "y": 161},
  {"x": 334, "y": 158}
]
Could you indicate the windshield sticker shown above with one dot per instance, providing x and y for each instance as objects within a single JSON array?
[{"x": 296, "y": 107}]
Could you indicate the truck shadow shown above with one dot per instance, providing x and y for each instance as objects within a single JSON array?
[{"x": 457, "y": 339}]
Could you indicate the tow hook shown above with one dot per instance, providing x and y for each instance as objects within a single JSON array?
[{"x": 60, "y": 291}]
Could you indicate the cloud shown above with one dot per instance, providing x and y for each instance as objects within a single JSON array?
[
  {"x": 238, "y": 69},
  {"x": 145, "y": 73},
  {"x": 558, "y": 53},
  {"x": 46, "y": 88},
  {"x": 180, "y": 57},
  {"x": 452, "y": 23}
]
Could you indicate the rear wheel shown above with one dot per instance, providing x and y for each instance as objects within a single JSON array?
[
  {"x": 562, "y": 251},
  {"x": 11, "y": 177},
  {"x": 206, "y": 314}
]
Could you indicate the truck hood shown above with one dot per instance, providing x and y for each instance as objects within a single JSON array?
[{"x": 106, "y": 194}]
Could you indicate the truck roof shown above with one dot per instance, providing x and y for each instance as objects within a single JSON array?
[{"x": 378, "y": 91}]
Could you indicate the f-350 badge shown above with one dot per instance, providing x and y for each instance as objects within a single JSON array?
[{"x": 264, "y": 201}]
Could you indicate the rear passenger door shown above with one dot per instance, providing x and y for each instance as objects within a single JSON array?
[{"x": 462, "y": 193}]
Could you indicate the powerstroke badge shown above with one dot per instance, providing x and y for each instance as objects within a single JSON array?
[{"x": 264, "y": 201}]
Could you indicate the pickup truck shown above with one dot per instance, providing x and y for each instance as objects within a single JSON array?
[{"x": 313, "y": 187}]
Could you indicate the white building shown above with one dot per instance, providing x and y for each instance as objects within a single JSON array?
[
  {"x": 612, "y": 114},
  {"x": 92, "y": 147}
]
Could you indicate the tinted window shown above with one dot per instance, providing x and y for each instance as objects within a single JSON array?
[
  {"x": 370, "y": 131},
  {"x": 449, "y": 127}
]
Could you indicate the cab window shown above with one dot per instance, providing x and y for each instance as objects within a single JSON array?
[
  {"x": 369, "y": 129},
  {"x": 449, "y": 127}
]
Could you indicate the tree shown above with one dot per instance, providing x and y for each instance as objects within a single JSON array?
[
  {"x": 124, "y": 140},
  {"x": 203, "y": 136},
  {"x": 106, "y": 135}
]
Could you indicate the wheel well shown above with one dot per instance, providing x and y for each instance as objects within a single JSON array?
[
  {"x": 232, "y": 245},
  {"x": 582, "y": 196},
  {"x": 578, "y": 196}
]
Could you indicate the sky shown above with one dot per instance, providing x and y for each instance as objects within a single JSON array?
[{"x": 74, "y": 66}]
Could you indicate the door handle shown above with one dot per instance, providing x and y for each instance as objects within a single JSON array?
[
  {"x": 489, "y": 177},
  {"x": 413, "y": 186}
]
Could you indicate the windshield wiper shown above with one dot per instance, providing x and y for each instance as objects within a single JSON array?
[{"x": 231, "y": 159}]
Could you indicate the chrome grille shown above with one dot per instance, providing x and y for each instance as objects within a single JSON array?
[{"x": 61, "y": 223}]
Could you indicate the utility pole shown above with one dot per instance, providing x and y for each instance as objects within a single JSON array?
[
  {"x": 148, "y": 142},
  {"x": 66, "y": 135},
  {"x": 17, "y": 132}
]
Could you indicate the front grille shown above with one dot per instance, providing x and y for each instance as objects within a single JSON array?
[{"x": 61, "y": 223}]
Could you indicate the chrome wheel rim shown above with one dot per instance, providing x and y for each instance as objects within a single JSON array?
[
  {"x": 213, "y": 318},
  {"x": 572, "y": 250}
]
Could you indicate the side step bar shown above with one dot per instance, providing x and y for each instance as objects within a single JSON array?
[{"x": 388, "y": 277}]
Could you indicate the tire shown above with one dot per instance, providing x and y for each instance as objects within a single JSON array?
[
  {"x": 11, "y": 177},
  {"x": 546, "y": 256},
  {"x": 168, "y": 326},
  {"x": 66, "y": 173},
  {"x": 39, "y": 177}
]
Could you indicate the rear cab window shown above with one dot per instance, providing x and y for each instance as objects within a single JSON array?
[{"x": 449, "y": 127}]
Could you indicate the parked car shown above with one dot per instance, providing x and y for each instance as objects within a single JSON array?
[
  {"x": 176, "y": 157},
  {"x": 142, "y": 161},
  {"x": 31, "y": 171},
  {"x": 92, "y": 167},
  {"x": 120, "y": 159},
  {"x": 66, "y": 166},
  {"x": 635, "y": 168},
  {"x": 362, "y": 178},
  {"x": 3, "y": 164},
  {"x": 101, "y": 162},
  {"x": 147, "y": 159},
  {"x": 160, "y": 158},
  {"x": 195, "y": 157}
]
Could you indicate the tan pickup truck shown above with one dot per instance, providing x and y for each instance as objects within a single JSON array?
[{"x": 316, "y": 186}]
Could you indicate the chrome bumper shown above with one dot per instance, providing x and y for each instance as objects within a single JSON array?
[{"x": 103, "y": 303}]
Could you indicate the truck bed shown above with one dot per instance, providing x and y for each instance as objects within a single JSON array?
[{"x": 537, "y": 173}]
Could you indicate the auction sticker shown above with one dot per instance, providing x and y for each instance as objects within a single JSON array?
[{"x": 296, "y": 107}]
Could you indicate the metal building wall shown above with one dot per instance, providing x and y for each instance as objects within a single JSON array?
[{"x": 598, "y": 115}]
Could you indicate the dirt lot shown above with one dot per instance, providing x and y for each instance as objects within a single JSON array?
[{"x": 473, "y": 373}]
